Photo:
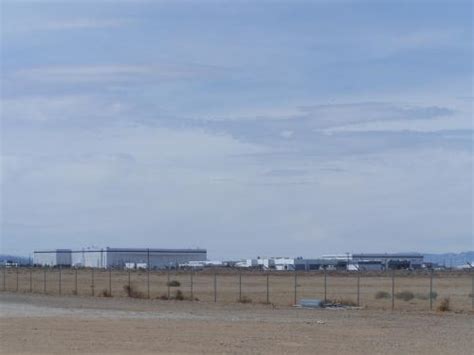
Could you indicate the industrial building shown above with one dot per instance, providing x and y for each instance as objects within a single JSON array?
[
  {"x": 58, "y": 257},
  {"x": 119, "y": 257},
  {"x": 347, "y": 261},
  {"x": 390, "y": 261}
]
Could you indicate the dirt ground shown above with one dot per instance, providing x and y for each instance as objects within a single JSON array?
[{"x": 39, "y": 324}]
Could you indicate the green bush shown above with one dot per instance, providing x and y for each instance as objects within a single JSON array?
[
  {"x": 173, "y": 283},
  {"x": 381, "y": 295},
  {"x": 405, "y": 295},
  {"x": 426, "y": 296}
]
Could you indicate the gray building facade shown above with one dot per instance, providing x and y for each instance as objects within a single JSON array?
[{"x": 119, "y": 257}]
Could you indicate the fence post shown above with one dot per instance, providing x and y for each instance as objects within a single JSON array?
[
  {"x": 295, "y": 285},
  {"x": 17, "y": 277},
  {"x": 110, "y": 281},
  {"x": 168, "y": 283},
  {"x": 240, "y": 285},
  {"x": 44, "y": 280},
  {"x": 268, "y": 288},
  {"x": 60, "y": 281},
  {"x": 75, "y": 282},
  {"x": 4, "y": 278},
  {"x": 393, "y": 290},
  {"x": 192, "y": 286},
  {"x": 358, "y": 288},
  {"x": 431, "y": 290},
  {"x": 325, "y": 285},
  {"x": 148, "y": 273},
  {"x": 92, "y": 282},
  {"x": 472, "y": 288},
  {"x": 129, "y": 280},
  {"x": 31, "y": 280},
  {"x": 215, "y": 287},
  {"x": 148, "y": 283}
]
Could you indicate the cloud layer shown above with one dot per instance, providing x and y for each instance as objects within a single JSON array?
[{"x": 348, "y": 128}]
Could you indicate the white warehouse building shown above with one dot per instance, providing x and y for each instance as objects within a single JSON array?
[
  {"x": 119, "y": 257},
  {"x": 58, "y": 257}
]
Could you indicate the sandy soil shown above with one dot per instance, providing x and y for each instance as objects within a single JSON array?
[{"x": 71, "y": 324}]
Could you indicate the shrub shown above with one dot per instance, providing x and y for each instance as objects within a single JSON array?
[
  {"x": 105, "y": 293},
  {"x": 382, "y": 294},
  {"x": 179, "y": 296},
  {"x": 426, "y": 296},
  {"x": 471, "y": 295},
  {"x": 343, "y": 302},
  {"x": 163, "y": 297},
  {"x": 405, "y": 295},
  {"x": 173, "y": 283},
  {"x": 131, "y": 292},
  {"x": 444, "y": 305},
  {"x": 245, "y": 299}
]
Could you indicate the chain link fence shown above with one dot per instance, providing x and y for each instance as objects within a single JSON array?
[{"x": 403, "y": 290}]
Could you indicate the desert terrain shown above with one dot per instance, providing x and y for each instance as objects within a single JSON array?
[{"x": 48, "y": 324}]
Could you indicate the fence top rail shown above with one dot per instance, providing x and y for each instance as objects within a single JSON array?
[{"x": 257, "y": 272}]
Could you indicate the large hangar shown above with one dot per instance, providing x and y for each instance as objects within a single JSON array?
[
  {"x": 155, "y": 258},
  {"x": 58, "y": 257},
  {"x": 119, "y": 257}
]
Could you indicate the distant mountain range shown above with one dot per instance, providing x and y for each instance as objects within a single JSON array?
[{"x": 14, "y": 259}]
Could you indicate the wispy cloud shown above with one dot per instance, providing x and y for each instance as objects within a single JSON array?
[
  {"x": 114, "y": 73},
  {"x": 293, "y": 118},
  {"x": 64, "y": 24},
  {"x": 72, "y": 109},
  {"x": 82, "y": 23}
]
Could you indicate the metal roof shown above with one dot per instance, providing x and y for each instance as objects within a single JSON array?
[{"x": 125, "y": 250}]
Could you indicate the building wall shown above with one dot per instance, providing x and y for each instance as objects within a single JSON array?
[
  {"x": 158, "y": 258},
  {"x": 58, "y": 257},
  {"x": 370, "y": 266},
  {"x": 63, "y": 257},
  {"x": 44, "y": 258}
]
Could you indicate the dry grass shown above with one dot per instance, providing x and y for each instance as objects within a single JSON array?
[
  {"x": 132, "y": 292},
  {"x": 105, "y": 293},
  {"x": 179, "y": 295},
  {"x": 405, "y": 295},
  {"x": 444, "y": 305},
  {"x": 343, "y": 302},
  {"x": 245, "y": 299}
]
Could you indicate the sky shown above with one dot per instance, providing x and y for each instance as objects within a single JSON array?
[{"x": 250, "y": 128}]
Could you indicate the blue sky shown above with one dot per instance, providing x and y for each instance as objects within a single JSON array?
[{"x": 247, "y": 128}]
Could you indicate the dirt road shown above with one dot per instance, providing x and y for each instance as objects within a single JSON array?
[{"x": 69, "y": 324}]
